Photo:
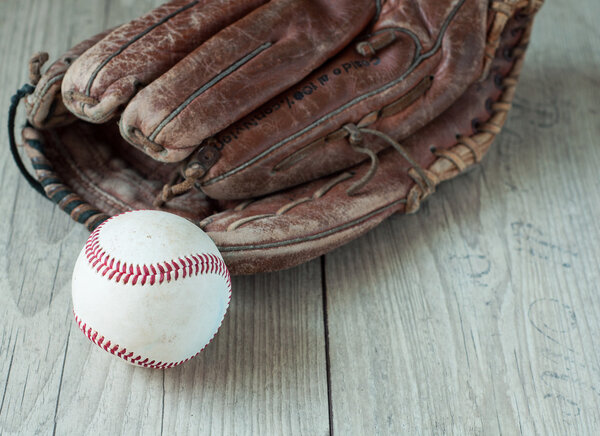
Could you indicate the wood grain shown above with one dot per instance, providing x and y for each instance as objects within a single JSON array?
[
  {"x": 478, "y": 315},
  {"x": 265, "y": 373}
]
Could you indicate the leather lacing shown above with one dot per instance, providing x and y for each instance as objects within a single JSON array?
[
  {"x": 35, "y": 66},
  {"x": 503, "y": 10},
  {"x": 467, "y": 151},
  {"x": 190, "y": 173},
  {"x": 420, "y": 176},
  {"x": 425, "y": 180},
  {"x": 474, "y": 146}
]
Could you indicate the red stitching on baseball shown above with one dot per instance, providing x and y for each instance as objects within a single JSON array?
[
  {"x": 193, "y": 264},
  {"x": 124, "y": 354}
]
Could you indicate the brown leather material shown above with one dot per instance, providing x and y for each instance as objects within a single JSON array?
[
  {"x": 107, "y": 171},
  {"x": 190, "y": 57},
  {"x": 91, "y": 172},
  {"x": 277, "y": 235},
  {"x": 45, "y": 106},
  {"x": 135, "y": 54},
  {"x": 441, "y": 42}
]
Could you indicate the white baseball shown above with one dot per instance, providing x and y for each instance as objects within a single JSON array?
[{"x": 151, "y": 288}]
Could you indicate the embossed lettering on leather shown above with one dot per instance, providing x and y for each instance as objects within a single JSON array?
[{"x": 280, "y": 151}]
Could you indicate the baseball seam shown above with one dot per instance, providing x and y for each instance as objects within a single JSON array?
[
  {"x": 130, "y": 356},
  {"x": 122, "y": 272}
]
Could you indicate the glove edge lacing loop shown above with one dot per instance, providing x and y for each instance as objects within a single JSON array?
[
  {"x": 246, "y": 255},
  {"x": 503, "y": 11}
]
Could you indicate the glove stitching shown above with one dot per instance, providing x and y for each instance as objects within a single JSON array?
[
  {"x": 38, "y": 96},
  {"x": 426, "y": 179},
  {"x": 126, "y": 45},
  {"x": 216, "y": 79},
  {"x": 415, "y": 63},
  {"x": 391, "y": 109},
  {"x": 287, "y": 207},
  {"x": 319, "y": 235}
]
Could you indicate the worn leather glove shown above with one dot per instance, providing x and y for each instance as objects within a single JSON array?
[{"x": 282, "y": 128}]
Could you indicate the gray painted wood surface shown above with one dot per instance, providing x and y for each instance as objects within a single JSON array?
[{"x": 478, "y": 315}]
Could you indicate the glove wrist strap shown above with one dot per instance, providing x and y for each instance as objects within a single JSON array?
[{"x": 12, "y": 114}]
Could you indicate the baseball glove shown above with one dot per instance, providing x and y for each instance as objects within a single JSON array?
[{"x": 283, "y": 128}]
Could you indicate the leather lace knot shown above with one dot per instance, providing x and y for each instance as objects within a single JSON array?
[{"x": 425, "y": 180}]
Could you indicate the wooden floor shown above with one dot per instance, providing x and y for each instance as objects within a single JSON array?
[{"x": 478, "y": 315}]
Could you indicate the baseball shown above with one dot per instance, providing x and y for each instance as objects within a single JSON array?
[{"x": 151, "y": 288}]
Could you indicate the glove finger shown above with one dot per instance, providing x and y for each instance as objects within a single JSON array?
[
  {"x": 300, "y": 135},
  {"x": 44, "y": 106},
  {"x": 110, "y": 72},
  {"x": 299, "y": 224},
  {"x": 285, "y": 229},
  {"x": 237, "y": 70}
]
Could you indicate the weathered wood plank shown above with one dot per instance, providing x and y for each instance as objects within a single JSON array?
[
  {"x": 37, "y": 245},
  {"x": 265, "y": 372},
  {"x": 479, "y": 315}
]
